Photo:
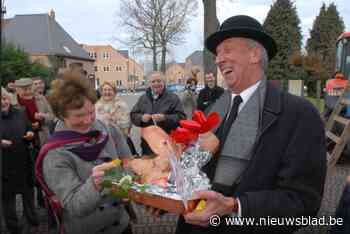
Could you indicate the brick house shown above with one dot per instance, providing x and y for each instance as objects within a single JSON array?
[{"x": 115, "y": 66}]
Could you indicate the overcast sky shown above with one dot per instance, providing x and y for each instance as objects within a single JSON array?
[{"x": 93, "y": 21}]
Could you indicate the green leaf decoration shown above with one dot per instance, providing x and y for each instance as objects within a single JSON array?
[{"x": 118, "y": 181}]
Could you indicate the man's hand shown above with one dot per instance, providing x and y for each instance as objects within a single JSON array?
[
  {"x": 158, "y": 117},
  {"x": 35, "y": 125},
  {"x": 6, "y": 143},
  {"x": 29, "y": 136},
  {"x": 216, "y": 204},
  {"x": 146, "y": 118},
  {"x": 39, "y": 116}
]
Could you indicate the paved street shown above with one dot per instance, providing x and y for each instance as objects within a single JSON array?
[{"x": 166, "y": 224}]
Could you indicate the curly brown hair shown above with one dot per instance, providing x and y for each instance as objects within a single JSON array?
[
  {"x": 70, "y": 93},
  {"x": 110, "y": 85}
]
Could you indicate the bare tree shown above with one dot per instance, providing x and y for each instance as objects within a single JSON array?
[
  {"x": 140, "y": 19},
  {"x": 173, "y": 23},
  {"x": 155, "y": 24}
]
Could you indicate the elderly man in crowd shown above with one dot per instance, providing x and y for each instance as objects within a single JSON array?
[
  {"x": 272, "y": 156},
  {"x": 37, "y": 107},
  {"x": 38, "y": 112},
  {"x": 157, "y": 107}
]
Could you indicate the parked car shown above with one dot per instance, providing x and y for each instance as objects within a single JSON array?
[{"x": 175, "y": 88}]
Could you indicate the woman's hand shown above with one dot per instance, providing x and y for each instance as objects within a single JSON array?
[{"x": 99, "y": 171}]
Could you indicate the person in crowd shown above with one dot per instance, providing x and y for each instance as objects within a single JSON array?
[
  {"x": 37, "y": 107},
  {"x": 157, "y": 107},
  {"x": 189, "y": 96},
  {"x": 334, "y": 89},
  {"x": 39, "y": 114},
  {"x": 74, "y": 172},
  {"x": 343, "y": 211},
  {"x": 209, "y": 94},
  {"x": 10, "y": 87},
  {"x": 17, "y": 174},
  {"x": 113, "y": 110},
  {"x": 38, "y": 86},
  {"x": 272, "y": 156}
]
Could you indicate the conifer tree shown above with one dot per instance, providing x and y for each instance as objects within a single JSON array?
[
  {"x": 283, "y": 24},
  {"x": 327, "y": 27}
]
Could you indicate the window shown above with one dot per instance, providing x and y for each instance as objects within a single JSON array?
[
  {"x": 339, "y": 54},
  {"x": 95, "y": 55},
  {"x": 105, "y": 55},
  {"x": 118, "y": 83},
  {"x": 92, "y": 54},
  {"x": 96, "y": 68},
  {"x": 64, "y": 63},
  {"x": 106, "y": 68},
  {"x": 118, "y": 68},
  {"x": 98, "y": 82}
]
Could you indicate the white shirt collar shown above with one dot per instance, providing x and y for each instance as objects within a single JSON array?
[{"x": 246, "y": 94}]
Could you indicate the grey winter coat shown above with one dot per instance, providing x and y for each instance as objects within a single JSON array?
[{"x": 86, "y": 210}]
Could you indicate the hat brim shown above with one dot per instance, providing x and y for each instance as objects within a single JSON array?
[{"x": 264, "y": 39}]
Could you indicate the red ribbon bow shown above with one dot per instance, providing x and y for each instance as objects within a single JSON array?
[{"x": 190, "y": 129}]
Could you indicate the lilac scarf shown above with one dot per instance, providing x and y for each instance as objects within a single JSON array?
[{"x": 90, "y": 146}]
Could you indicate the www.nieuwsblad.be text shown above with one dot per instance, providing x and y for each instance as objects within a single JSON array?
[{"x": 216, "y": 220}]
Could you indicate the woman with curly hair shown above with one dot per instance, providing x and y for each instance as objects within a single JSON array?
[
  {"x": 112, "y": 110},
  {"x": 74, "y": 171}
]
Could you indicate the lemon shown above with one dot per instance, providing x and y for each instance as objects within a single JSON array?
[
  {"x": 116, "y": 162},
  {"x": 200, "y": 206}
]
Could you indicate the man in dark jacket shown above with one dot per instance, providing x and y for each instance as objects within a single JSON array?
[
  {"x": 157, "y": 107},
  {"x": 272, "y": 157},
  {"x": 209, "y": 94}
]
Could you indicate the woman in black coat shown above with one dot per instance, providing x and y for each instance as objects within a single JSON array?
[{"x": 17, "y": 165}]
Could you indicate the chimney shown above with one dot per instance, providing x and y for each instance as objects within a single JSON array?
[{"x": 52, "y": 14}]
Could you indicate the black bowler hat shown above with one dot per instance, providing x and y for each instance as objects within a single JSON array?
[{"x": 242, "y": 26}]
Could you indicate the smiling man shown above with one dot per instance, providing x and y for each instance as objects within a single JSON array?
[
  {"x": 272, "y": 156},
  {"x": 157, "y": 106}
]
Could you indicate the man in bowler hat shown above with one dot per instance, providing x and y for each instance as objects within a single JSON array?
[{"x": 272, "y": 158}]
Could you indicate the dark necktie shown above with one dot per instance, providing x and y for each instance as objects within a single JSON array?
[{"x": 226, "y": 125}]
